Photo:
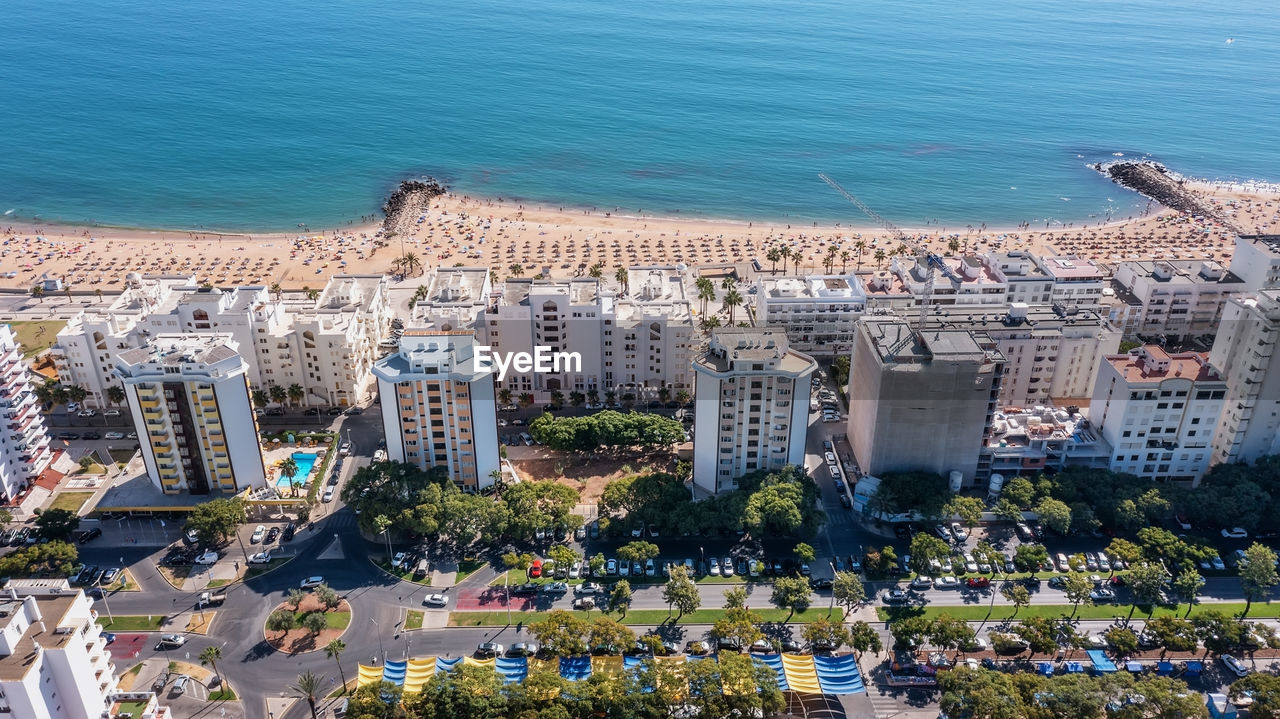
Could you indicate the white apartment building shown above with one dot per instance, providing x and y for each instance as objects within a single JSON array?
[
  {"x": 438, "y": 406},
  {"x": 966, "y": 280},
  {"x": 1179, "y": 298},
  {"x": 752, "y": 394},
  {"x": 1158, "y": 412},
  {"x": 1256, "y": 261},
  {"x": 634, "y": 342},
  {"x": 1028, "y": 283},
  {"x": 819, "y": 313},
  {"x": 921, "y": 401},
  {"x": 1053, "y": 353},
  {"x": 54, "y": 662},
  {"x": 1244, "y": 354},
  {"x": 326, "y": 346},
  {"x": 188, "y": 395},
  {"x": 1076, "y": 282},
  {"x": 24, "y": 445}
]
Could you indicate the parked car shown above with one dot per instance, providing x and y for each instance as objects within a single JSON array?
[
  {"x": 435, "y": 600},
  {"x": 260, "y": 558},
  {"x": 959, "y": 532},
  {"x": 272, "y": 535},
  {"x": 208, "y": 558},
  {"x": 977, "y": 582},
  {"x": 287, "y": 534},
  {"x": 1235, "y": 665},
  {"x": 258, "y": 533},
  {"x": 311, "y": 582},
  {"x": 946, "y": 582},
  {"x": 895, "y": 596},
  {"x": 489, "y": 649},
  {"x": 113, "y": 435},
  {"x": 1235, "y": 533},
  {"x": 89, "y": 535}
]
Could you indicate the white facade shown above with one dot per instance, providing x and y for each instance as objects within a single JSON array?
[
  {"x": 635, "y": 340},
  {"x": 819, "y": 313},
  {"x": 189, "y": 399},
  {"x": 1158, "y": 412},
  {"x": 1076, "y": 282},
  {"x": 1244, "y": 354},
  {"x": 438, "y": 406},
  {"x": 54, "y": 663},
  {"x": 1178, "y": 298},
  {"x": 966, "y": 280},
  {"x": 1256, "y": 261},
  {"x": 752, "y": 399},
  {"x": 1027, "y": 282},
  {"x": 326, "y": 346},
  {"x": 24, "y": 445}
]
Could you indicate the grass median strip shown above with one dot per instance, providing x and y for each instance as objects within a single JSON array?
[
  {"x": 641, "y": 617},
  {"x": 977, "y": 613},
  {"x": 413, "y": 620},
  {"x": 127, "y": 623}
]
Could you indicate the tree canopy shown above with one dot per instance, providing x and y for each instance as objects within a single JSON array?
[
  {"x": 214, "y": 522},
  {"x": 607, "y": 429}
]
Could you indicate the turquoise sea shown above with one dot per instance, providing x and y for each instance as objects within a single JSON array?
[{"x": 249, "y": 114}]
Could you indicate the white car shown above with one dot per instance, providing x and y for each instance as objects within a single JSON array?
[
  {"x": 947, "y": 582},
  {"x": 959, "y": 532},
  {"x": 922, "y": 582},
  {"x": 435, "y": 600},
  {"x": 714, "y": 569},
  {"x": 831, "y": 458},
  {"x": 260, "y": 558},
  {"x": 969, "y": 564},
  {"x": 344, "y": 449},
  {"x": 1235, "y": 665},
  {"x": 258, "y": 533},
  {"x": 328, "y": 495},
  {"x": 113, "y": 435},
  {"x": 207, "y": 558},
  {"x": 311, "y": 582},
  {"x": 727, "y": 567},
  {"x": 575, "y": 571},
  {"x": 1235, "y": 533},
  {"x": 87, "y": 413},
  {"x": 397, "y": 560},
  {"x": 380, "y": 455},
  {"x": 73, "y": 406}
]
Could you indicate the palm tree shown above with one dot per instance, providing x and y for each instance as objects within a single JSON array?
[
  {"x": 411, "y": 264},
  {"x": 289, "y": 469},
  {"x": 706, "y": 292},
  {"x": 516, "y": 269},
  {"x": 276, "y": 290},
  {"x": 296, "y": 393},
  {"x": 710, "y": 322},
  {"x": 38, "y": 293},
  {"x": 504, "y": 395},
  {"x": 333, "y": 650},
  {"x": 830, "y": 260},
  {"x": 610, "y": 396},
  {"x": 526, "y": 400},
  {"x": 844, "y": 261},
  {"x": 211, "y": 656},
  {"x": 577, "y": 399},
  {"x": 682, "y": 397},
  {"x": 493, "y": 277},
  {"x": 954, "y": 245},
  {"x": 773, "y": 255},
  {"x": 623, "y": 278},
  {"x": 260, "y": 398},
  {"x": 311, "y": 294},
  {"x": 860, "y": 246},
  {"x": 664, "y": 394},
  {"x": 308, "y": 687},
  {"x": 880, "y": 255},
  {"x": 76, "y": 393},
  {"x": 115, "y": 394},
  {"x": 278, "y": 394},
  {"x": 67, "y": 290},
  {"x": 593, "y": 395},
  {"x": 97, "y": 292},
  {"x": 596, "y": 271},
  {"x": 419, "y": 295},
  {"x": 731, "y": 300}
]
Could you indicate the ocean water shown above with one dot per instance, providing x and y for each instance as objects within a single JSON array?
[{"x": 242, "y": 114}]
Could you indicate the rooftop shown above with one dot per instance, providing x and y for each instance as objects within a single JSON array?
[
  {"x": 440, "y": 355},
  {"x": 1071, "y": 268},
  {"x": 1151, "y": 363},
  {"x": 206, "y": 349},
  {"x": 896, "y": 341},
  {"x": 1269, "y": 242},
  {"x": 731, "y": 346},
  {"x": 38, "y": 635},
  {"x": 1185, "y": 272},
  {"x": 458, "y": 286}
]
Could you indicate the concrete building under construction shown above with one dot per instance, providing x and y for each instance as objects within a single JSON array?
[{"x": 922, "y": 401}]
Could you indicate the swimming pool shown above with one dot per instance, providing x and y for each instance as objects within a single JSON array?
[{"x": 305, "y": 462}]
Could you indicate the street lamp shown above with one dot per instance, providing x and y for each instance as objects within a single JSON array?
[{"x": 374, "y": 622}]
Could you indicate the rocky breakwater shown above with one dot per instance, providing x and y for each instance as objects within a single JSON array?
[
  {"x": 409, "y": 201},
  {"x": 1156, "y": 182}
]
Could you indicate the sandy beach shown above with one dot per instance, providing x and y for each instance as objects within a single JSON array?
[{"x": 460, "y": 230}]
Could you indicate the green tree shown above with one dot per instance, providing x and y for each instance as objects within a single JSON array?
[
  {"x": 1257, "y": 574},
  {"x": 735, "y": 598},
  {"x": 54, "y": 557},
  {"x": 57, "y": 524},
  {"x": 211, "y": 656},
  {"x": 296, "y": 393},
  {"x": 1122, "y": 640},
  {"x": 979, "y": 694},
  {"x": 561, "y": 633},
  {"x": 680, "y": 592},
  {"x": 909, "y": 631},
  {"x": 1217, "y": 631},
  {"x": 847, "y": 590},
  {"x": 1017, "y": 595},
  {"x": 333, "y": 650},
  {"x": 805, "y": 553},
  {"x": 115, "y": 394},
  {"x": 1020, "y": 491},
  {"x": 620, "y": 597},
  {"x": 739, "y": 625},
  {"x": 950, "y": 633},
  {"x": 1146, "y": 582},
  {"x": 308, "y": 687},
  {"x": 294, "y": 598},
  {"x": 1125, "y": 550},
  {"x": 638, "y": 551},
  {"x": 791, "y": 593},
  {"x": 1008, "y": 511},
  {"x": 1187, "y": 586},
  {"x": 606, "y": 633},
  {"x": 864, "y": 638},
  {"x": 825, "y": 635},
  {"x": 968, "y": 509},
  {"x": 315, "y": 622},
  {"x": 1077, "y": 589},
  {"x": 1040, "y": 633},
  {"x": 1030, "y": 557},
  {"x": 1263, "y": 689},
  {"x": 562, "y": 555},
  {"x": 327, "y": 596},
  {"x": 216, "y": 521},
  {"x": 278, "y": 394},
  {"x": 925, "y": 547},
  {"x": 281, "y": 620},
  {"x": 260, "y": 398},
  {"x": 1054, "y": 514},
  {"x": 1174, "y": 634}
]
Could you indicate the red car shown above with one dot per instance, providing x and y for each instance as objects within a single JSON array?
[
  {"x": 535, "y": 569},
  {"x": 977, "y": 582}
]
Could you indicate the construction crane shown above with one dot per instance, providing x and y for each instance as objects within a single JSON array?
[{"x": 933, "y": 259}]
